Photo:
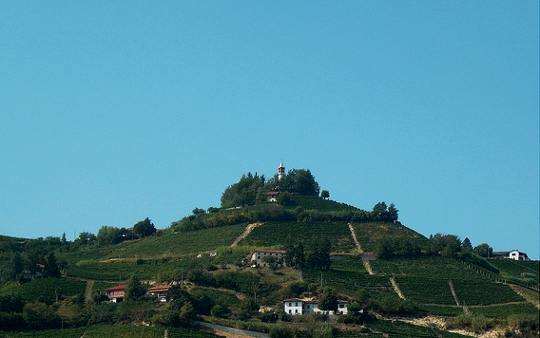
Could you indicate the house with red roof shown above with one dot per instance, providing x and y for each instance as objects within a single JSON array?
[
  {"x": 160, "y": 291},
  {"x": 116, "y": 294}
]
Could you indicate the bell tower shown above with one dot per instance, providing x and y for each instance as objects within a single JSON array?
[{"x": 280, "y": 171}]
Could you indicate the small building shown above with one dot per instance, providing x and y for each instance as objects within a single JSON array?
[
  {"x": 514, "y": 254},
  {"x": 298, "y": 306},
  {"x": 258, "y": 256},
  {"x": 271, "y": 196},
  {"x": 116, "y": 294},
  {"x": 160, "y": 292}
]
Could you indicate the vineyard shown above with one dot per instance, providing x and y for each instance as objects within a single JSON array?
[
  {"x": 521, "y": 272},
  {"x": 47, "y": 289},
  {"x": 278, "y": 233},
  {"x": 107, "y": 331},
  {"x": 368, "y": 234}
]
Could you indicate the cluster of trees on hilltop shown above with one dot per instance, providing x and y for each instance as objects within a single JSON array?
[{"x": 252, "y": 189}]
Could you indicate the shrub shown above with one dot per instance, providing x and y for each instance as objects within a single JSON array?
[{"x": 217, "y": 311}]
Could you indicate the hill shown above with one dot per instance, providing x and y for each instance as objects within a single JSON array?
[{"x": 384, "y": 269}]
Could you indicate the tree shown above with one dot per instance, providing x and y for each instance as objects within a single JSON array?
[
  {"x": 445, "y": 245},
  {"x": 284, "y": 198},
  {"x": 187, "y": 313},
  {"x": 144, "y": 228},
  {"x": 244, "y": 192},
  {"x": 134, "y": 289},
  {"x": 325, "y": 194},
  {"x": 392, "y": 213},
  {"x": 466, "y": 245},
  {"x": 109, "y": 235},
  {"x": 270, "y": 261},
  {"x": 483, "y": 250},
  {"x": 383, "y": 212},
  {"x": 249, "y": 304},
  {"x": 51, "y": 267},
  {"x": 294, "y": 254},
  {"x": 318, "y": 257},
  {"x": 328, "y": 300},
  {"x": 300, "y": 181}
]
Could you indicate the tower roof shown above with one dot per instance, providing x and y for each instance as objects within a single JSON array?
[{"x": 281, "y": 165}]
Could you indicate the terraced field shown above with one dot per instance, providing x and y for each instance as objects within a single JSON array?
[
  {"x": 369, "y": 233},
  {"x": 278, "y": 233}
]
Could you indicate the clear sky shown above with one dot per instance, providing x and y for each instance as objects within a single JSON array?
[{"x": 114, "y": 111}]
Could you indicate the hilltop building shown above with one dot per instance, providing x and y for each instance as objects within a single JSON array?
[
  {"x": 280, "y": 171},
  {"x": 514, "y": 254}
]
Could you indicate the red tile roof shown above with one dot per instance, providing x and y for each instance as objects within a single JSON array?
[{"x": 117, "y": 288}]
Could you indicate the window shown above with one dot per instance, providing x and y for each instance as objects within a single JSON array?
[{"x": 295, "y": 304}]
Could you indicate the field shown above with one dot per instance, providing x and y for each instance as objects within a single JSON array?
[
  {"x": 348, "y": 276},
  {"x": 525, "y": 273},
  {"x": 369, "y": 233},
  {"x": 149, "y": 257},
  {"x": 278, "y": 233},
  {"x": 426, "y": 281},
  {"x": 319, "y": 204},
  {"x": 107, "y": 331},
  {"x": 46, "y": 289}
]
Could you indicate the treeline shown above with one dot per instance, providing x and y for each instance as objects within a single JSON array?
[{"x": 201, "y": 219}]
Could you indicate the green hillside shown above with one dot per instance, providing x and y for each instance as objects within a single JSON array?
[{"x": 208, "y": 253}]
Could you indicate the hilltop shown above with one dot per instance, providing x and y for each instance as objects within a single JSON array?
[{"x": 383, "y": 269}]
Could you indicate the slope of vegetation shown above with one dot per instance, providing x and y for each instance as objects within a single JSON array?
[{"x": 401, "y": 273}]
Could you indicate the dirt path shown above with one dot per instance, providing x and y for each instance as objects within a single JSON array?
[
  {"x": 365, "y": 260},
  {"x": 396, "y": 288},
  {"x": 246, "y": 232},
  {"x": 454, "y": 294},
  {"x": 358, "y": 247},
  {"x": 88, "y": 291}
]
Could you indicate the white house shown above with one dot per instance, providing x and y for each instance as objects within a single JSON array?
[
  {"x": 258, "y": 256},
  {"x": 514, "y": 254},
  {"x": 297, "y": 306}
]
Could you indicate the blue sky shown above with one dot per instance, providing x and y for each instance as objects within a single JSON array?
[{"x": 111, "y": 112}]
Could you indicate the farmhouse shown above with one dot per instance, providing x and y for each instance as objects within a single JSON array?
[
  {"x": 258, "y": 256},
  {"x": 514, "y": 254},
  {"x": 160, "y": 292},
  {"x": 298, "y": 306},
  {"x": 116, "y": 294}
]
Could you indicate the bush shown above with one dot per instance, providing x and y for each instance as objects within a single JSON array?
[
  {"x": 217, "y": 311},
  {"x": 325, "y": 331}
]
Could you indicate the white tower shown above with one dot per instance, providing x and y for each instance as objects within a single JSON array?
[{"x": 280, "y": 171}]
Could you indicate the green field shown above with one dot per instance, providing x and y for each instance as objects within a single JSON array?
[
  {"x": 108, "y": 331},
  {"x": 368, "y": 234},
  {"x": 278, "y": 233},
  {"x": 46, "y": 289}
]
